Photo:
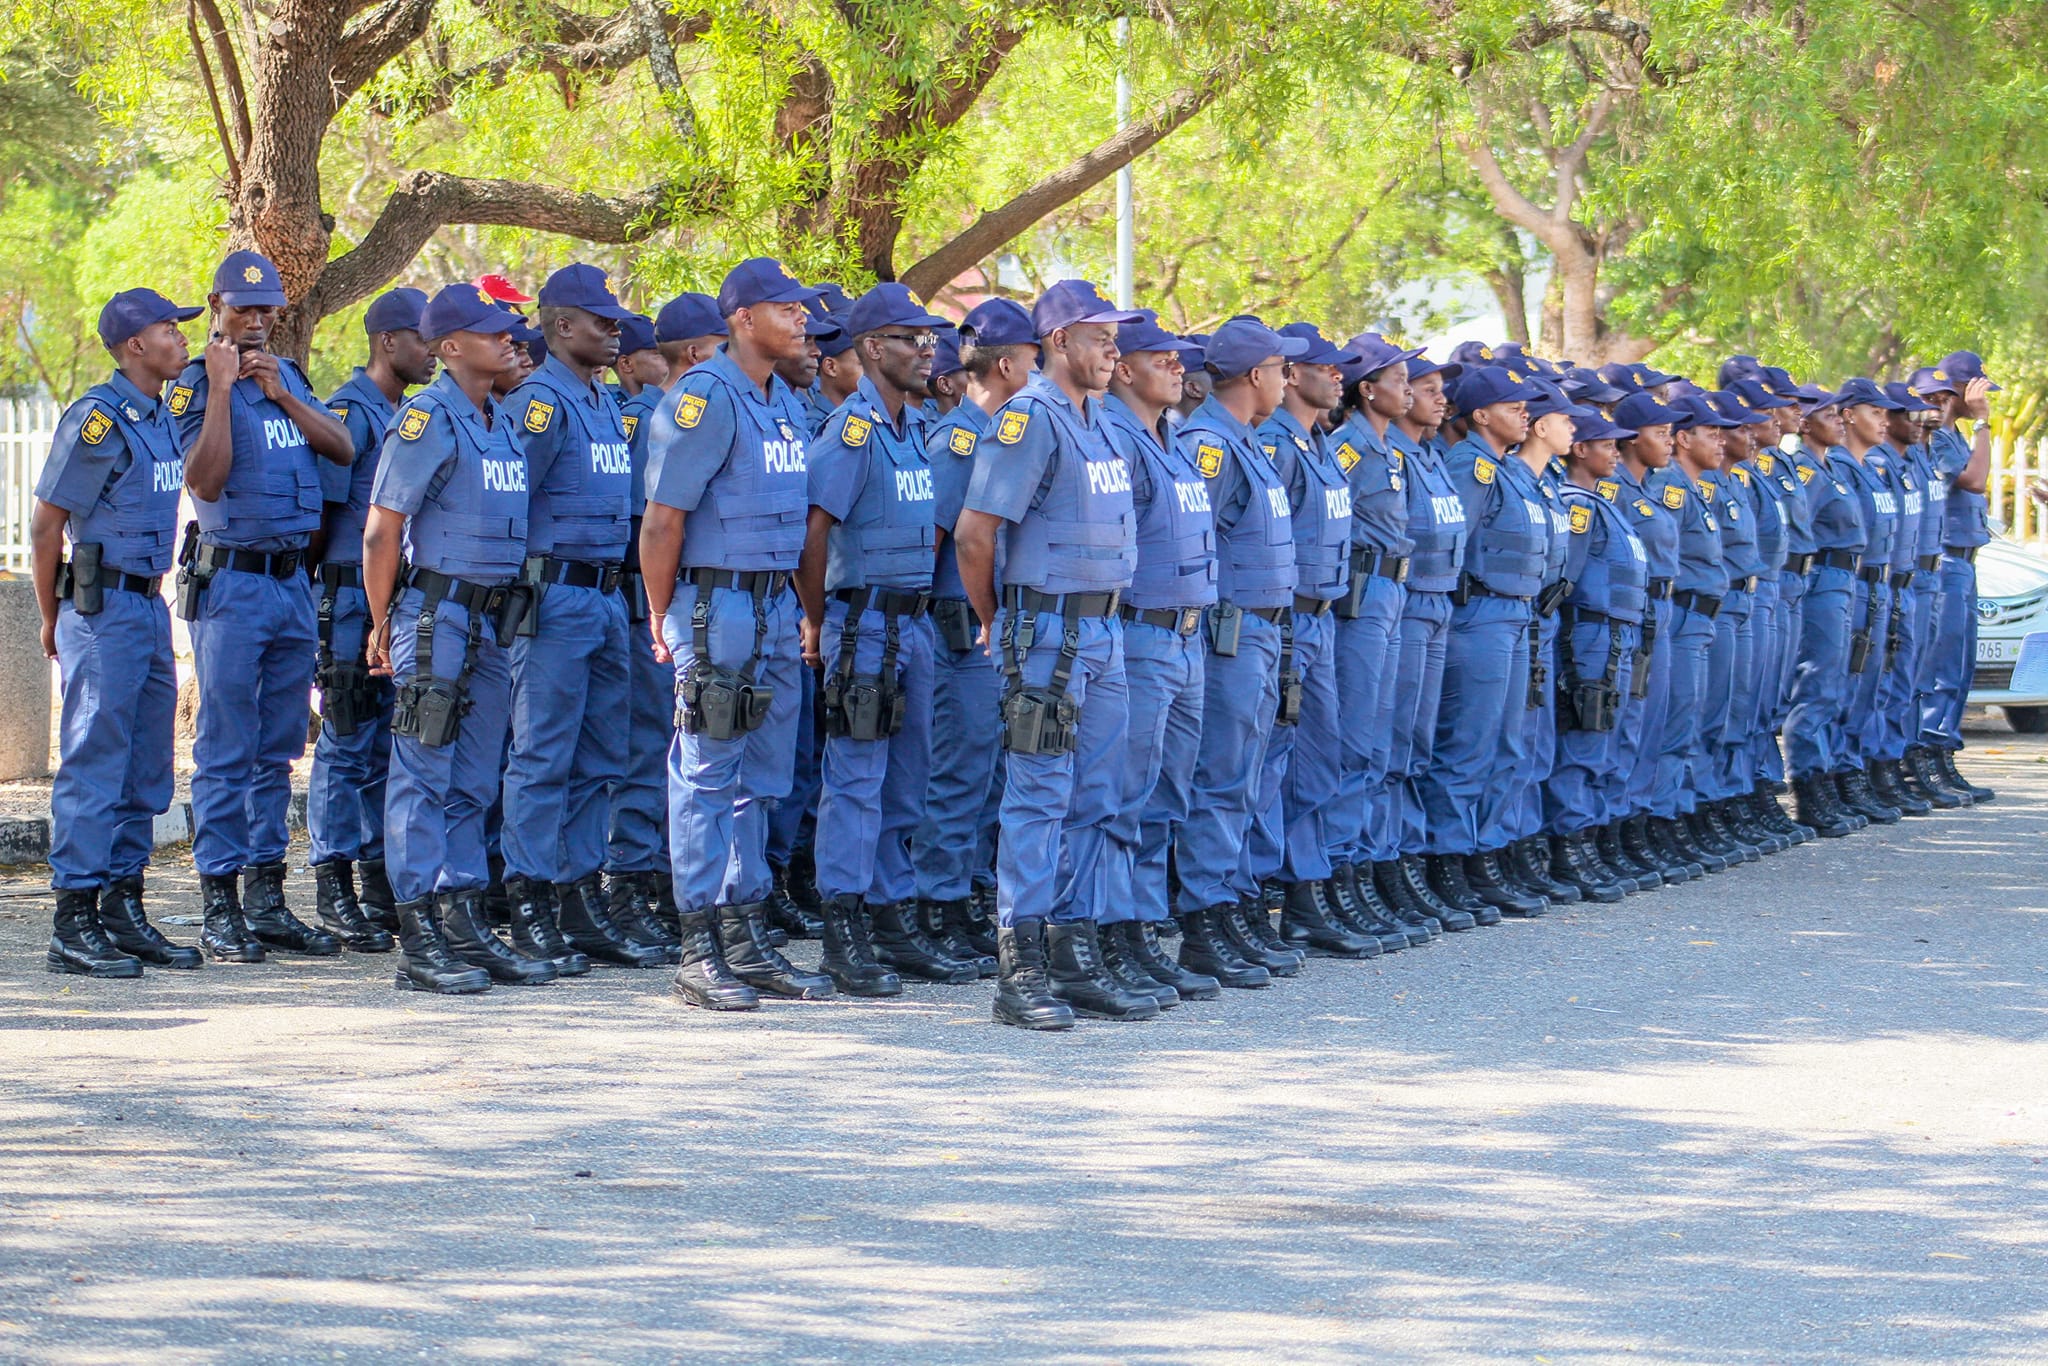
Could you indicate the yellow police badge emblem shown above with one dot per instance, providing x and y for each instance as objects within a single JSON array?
[
  {"x": 340, "y": 411},
  {"x": 1805, "y": 473},
  {"x": 1674, "y": 497},
  {"x": 1394, "y": 458},
  {"x": 181, "y": 399},
  {"x": 1644, "y": 508},
  {"x": 1607, "y": 488},
  {"x": 1011, "y": 430},
  {"x": 631, "y": 422},
  {"x": 855, "y": 432},
  {"x": 97, "y": 425},
  {"x": 252, "y": 275},
  {"x": 1482, "y": 469},
  {"x": 1347, "y": 456},
  {"x": 412, "y": 424},
  {"x": 539, "y": 415},
  {"x": 1582, "y": 520},
  {"x": 962, "y": 441},
  {"x": 1764, "y": 460},
  {"x": 1209, "y": 460},
  {"x": 689, "y": 410}
]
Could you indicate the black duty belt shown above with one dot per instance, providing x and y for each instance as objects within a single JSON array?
[
  {"x": 1838, "y": 559},
  {"x": 580, "y": 574},
  {"x": 1927, "y": 564},
  {"x": 1872, "y": 574},
  {"x": 478, "y": 599},
  {"x": 1709, "y": 607},
  {"x": 1476, "y": 586},
  {"x": 890, "y": 602},
  {"x": 761, "y": 583},
  {"x": 1313, "y": 607},
  {"x": 1747, "y": 585},
  {"x": 1018, "y": 598},
  {"x": 1276, "y": 615},
  {"x": 1902, "y": 578},
  {"x": 275, "y": 564},
  {"x": 115, "y": 578},
  {"x": 1369, "y": 563},
  {"x": 1657, "y": 589},
  {"x": 335, "y": 575},
  {"x": 1799, "y": 564},
  {"x": 1182, "y": 621},
  {"x": 1965, "y": 553}
]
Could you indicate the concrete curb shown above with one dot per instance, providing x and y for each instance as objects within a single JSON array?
[{"x": 28, "y": 840}]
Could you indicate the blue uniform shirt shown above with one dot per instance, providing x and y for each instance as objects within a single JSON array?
[
  {"x": 1653, "y": 524},
  {"x": 1377, "y": 473},
  {"x": 272, "y": 498},
  {"x": 1048, "y": 470},
  {"x": 1965, "y": 521},
  {"x": 1724, "y": 491},
  {"x": 1509, "y": 548},
  {"x": 115, "y": 467},
  {"x": 874, "y": 477},
  {"x": 949, "y": 446},
  {"x": 1783, "y": 474},
  {"x": 1437, "y": 526},
  {"x": 461, "y": 483},
  {"x": 364, "y": 410},
  {"x": 732, "y": 456},
  {"x": 1933, "y": 500},
  {"x": 1899, "y": 477},
  {"x": 1875, "y": 501},
  {"x": 1833, "y": 510},
  {"x": 634, "y": 410},
  {"x": 577, "y": 464},
  {"x": 1604, "y": 559},
  {"x": 1700, "y": 566}
]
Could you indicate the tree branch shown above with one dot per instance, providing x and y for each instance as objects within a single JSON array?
[
  {"x": 1508, "y": 201},
  {"x": 613, "y": 47},
  {"x": 1571, "y": 161},
  {"x": 661, "y": 63},
  {"x": 230, "y": 74},
  {"x": 373, "y": 39},
  {"x": 220, "y": 122}
]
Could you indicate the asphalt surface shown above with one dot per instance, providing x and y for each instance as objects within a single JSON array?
[{"x": 1797, "y": 1112}]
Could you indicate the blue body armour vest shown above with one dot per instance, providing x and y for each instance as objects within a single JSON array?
[
  {"x": 1833, "y": 512},
  {"x": 1437, "y": 528},
  {"x": 361, "y": 406},
  {"x": 1907, "y": 491},
  {"x": 753, "y": 512},
  {"x": 1083, "y": 535},
  {"x": 1320, "y": 496},
  {"x": 583, "y": 511},
  {"x": 949, "y": 445},
  {"x": 1965, "y": 520},
  {"x": 135, "y": 521},
  {"x": 1876, "y": 505},
  {"x": 474, "y": 526},
  {"x": 1256, "y": 552},
  {"x": 634, "y": 412},
  {"x": 1615, "y": 572},
  {"x": 1176, "y": 529},
  {"x": 1377, "y": 473},
  {"x": 272, "y": 496},
  {"x": 1778, "y": 469},
  {"x": 1767, "y": 518},
  {"x": 887, "y": 537},
  {"x": 1510, "y": 546},
  {"x": 1552, "y": 488},
  {"x": 1933, "y": 499},
  {"x": 1732, "y": 508},
  {"x": 1653, "y": 524},
  {"x": 1700, "y": 566}
]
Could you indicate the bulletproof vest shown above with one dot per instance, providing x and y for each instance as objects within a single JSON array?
[
  {"x": 1510, "y": 545},
  {"x": 1176, "y": 529},
  {"x": 1964, "y": 519},
  {"x": 359, "y": 398},
  {"x": 1322, "y": 508},
  {"x": 1875, "y": 502},
  {"x": 752, "y": 514},
  {"x": 1934, "y": 499},
  {"x": 887, "y": 537},
  {"x": 1700, "y": 567},
  {"x": 1378, "y": 477},
  {"x": 273, "y": 487},
  {"x": 584, "y": 509},
  {"x": 1782, "y": 474},
  {"x": 474, "y": 526},
  {"x": 1911, "y": 496},
  {"x": 1738, "y": 523},
  {"x": 1617, "y": 569},
  {"x": 1769, "y": 518},
  {"x": 1255, "y": 554},
  {"x": 949, "y": 446},
  {"x": 135, "y": 521},
  {"x": 1082, "y": 536},
  {"x": 1437, "y": 529},
  {"x": 634, "y": 411},
  {"x": 1833, "y": 511},
  {"x": 1559, "y": 548},
  {"x": 1655, "y": 525}
]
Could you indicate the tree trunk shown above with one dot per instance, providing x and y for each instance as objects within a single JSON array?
[
  {"x": 1578, "y": 278},
  {"x": 1509, "y": 292}
]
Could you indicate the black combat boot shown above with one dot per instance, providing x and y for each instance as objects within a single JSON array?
[
  {"x": 1739, "y": 814},
  {"x": 334, "y": 891},
  {"x": 1207, "y": 950},
  {"x": 586, "y": 923},
  {"x": 1946, "y": 760},
  {"x": 79, "y": 945},
  {"x": 1857, "y": 796},
  {"x": 902, "y": 944},
  {"x": 702, "y": 978},
  {"x": 497, "y": 901},
  {"x": 470, "y": 938},
  {"x": 743, "y": 937},
  {"x": 665, "y": 916},
  {"x": 1143, "y": 944},
  {"x": 1571, "y": 861},
  {"x": 426, "y": 963},
  {"x": 1076, "y": 974},
  {"x": 967, "y": 935},
  {"x": 1489, "y": 882},
  {"x": 1810, "y": 793},
  {"x": 1415, "y": 877},
  {"x": 784, "y": 915},
  {"x": 1256, "y": 921},
  {"x": 534, "y": 930},
  {"x": 1730, "y": 844},
  {"x": 940, "y": 924},
  {"x": 1125, "y": 966},
  {"x": 802, "y": 884},
  {"x": 224, "y": 934},
  {"x": 1240, "y": 927},
  {"x": 1532, "y": 861},
  {"x": 1764, "y": 800},
  {"x": 1616, "y": 854},
  {"x": 976, "y": 921},
  {"x": 1669, "y": 835},
  {"x": 1390, "y": 879},
  {"x": 629, "y": 902},
  {"x": 1924, "y": 780},
  {"x": 122, "y": 917},
  {"x": 1024, "y": 995},
  {"x": 1447, "y": 880},
  {"x": 272, "y": 922},
  {"x": 849, "y": 958},
  {"x": 1358, "y": 901},
  {"x": 1306, "y": 923},
  {"x": 1889, "y": 785},
  {"x": 374, "y": 895},
  {"x": 1699, "y": 822},
  {"x": 1608, "y": 859},
  {"x": 1643, "y": 851}
]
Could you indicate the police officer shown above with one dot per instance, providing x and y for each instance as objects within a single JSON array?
[
  {"x": 1918, "y": 770},
  {"x": 250, "y": 462},
  {"x": 1897, "y": 719},
  {"x": 839, "y": 361},
  {"x": 865, "y": 581},
  {"x": 948, "y": 381},
  {"x": 345, "y": 794},
  {"x": 1051, "y": 489},
  {"x": 450, "y": 500},
  {"x": 1964, "y": 468},
  {"x": 1821, "y": 683},
  {"x": 727, "y": 500},
  {"x": 954, "y": 847},
  {"x": 687, "y": 331},
  {"x": 1732, "y": 673},
  {"x": 110, "y": 486},
  {"x": 1864, "y": 407}
]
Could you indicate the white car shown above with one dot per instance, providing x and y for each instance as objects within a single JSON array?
[{"x": 2012, "y": 634}]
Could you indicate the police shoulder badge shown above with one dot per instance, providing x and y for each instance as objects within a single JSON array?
[
  {"x": 1209, "y": 460},
  {"x": 631, "y": 422},
  {"x": 962, "y": 441},
  {"x": 855, "y": 432},
  {"x": 1805, "y": 473},
  {"x": 1674, "y": 496},
  {"x": 1607, "y": 488},
  {"x": 340, "y": 410},
  {"x": 1347, "y": 456},
  {"x": 1582, "y": 519},
  {"x": 412, "y": 424},
  {"x": 181, "y": 399},
  {"x": 539, "y": 415},
  {"x": 689, "y": 410},
  {"x": 97, "y": 425},
  {"x": 1482, "y": 469},
  {"x": 1011, "y": 429},
  {"x": 1743, "y": 475},
  {"x": 1764, "y": 461}
]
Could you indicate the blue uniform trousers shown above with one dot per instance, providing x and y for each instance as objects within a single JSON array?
[
  {"x": 792, "y": 825},
  {"x": 872, "y": 791},
  {"x": 345, "y": 794},
  {"x": 1367, "y": 658},
  {"x": 1240, "y": 696},
  {"x": 1927, "y": 589},
  {"x": 1820, "y": 685},
  {"x": 1897, "y": 699},
  {"x": 1862, "y": 726},
  {"x": 1514, "y": 808},
  {"x": 1788, "y": 616},
  {"x": 115, "y": 741},
  {"x": 1581, "y": 790},
  {"x": 1641, "y": 731},
  {"x": 720, "y": 791},
  {"x": 1766, "y": 634},
  {"x": 1485, "y": 678},
  {"x": 949, "y": 849},
  {"x": 436, "y": 804},
  {"x": 1053, "y": 863},
  {"x": 253, "y": 648},
  {"x": 1692, "y": 640},
  {"x": 1954, "y": 656},
  {"x": 1736, "y": 637},
  {"x": 570, "y": 713},
  {"x": 1165, "y": 673},
  {"x": 1308, "y": 760},
  {"x": 1418, "y": 697},
  {"x": 636, "y": 835}
]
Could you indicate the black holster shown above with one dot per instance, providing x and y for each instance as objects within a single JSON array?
[
  {"x": 721, "y": 704},
  {"x": 78, "y": 579},
  {"x": 192, "y": 576},
  {"x": 1039, "y": 721},
  {"x": 954, "y": 621},
  {"x": 1226, "y": 628}
]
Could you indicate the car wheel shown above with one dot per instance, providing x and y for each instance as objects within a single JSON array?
[{"x": 2028, "y": 720}]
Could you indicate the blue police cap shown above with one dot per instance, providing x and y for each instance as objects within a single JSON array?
[
  {"x": 465, "y": 308},
  {"x": 1472, "y": 354},
  {"x": 1779, "y": 381},
  {"x": 1697, "y": 411},
  {"x": 762, "y": 280},
  {"x": 1598, "y": 428},
  {"x": 1729, "y": 406},
  {"x": 1321, "y": 350},
  {"x": 396, "y": 310},
  {"x": 832, "y": 300},
  {"x": 1962, "y": 367},
  {"x": 1239, "y": 345},
  {"x": 1859, "y": 393},
  {"x": 1070, "y": 302},
  {"x": 687, "y": 317},
  {"x": 1145, "y": 334},
  {"x": 1738, "y": 367},
  {"x": 1908, "y": 401},
  {"x": 128, "y": 312},
  {"x": 1643, "y": 410},
  {"x": 636, "y": 333},
  {"x": 1924, "y": 381},
  {"x": 525, "y": 333},
  {"x": 1753, "y": 393},
  {"x": 832, "y": 337},
  {"x": 946, "y": 360},
  {"x": 1374, "y": 353},
  {"x": 1621, "y": 376},
  {"x": 1586, "y": 386},
  {"x": 1682, "y": 387},
  {"x": 890, "y": 304},
  {"x": 1485, "y": 385},
  {"x": 1422, "y": 365},
  {"x": 248, "y": 280},
  {"x": 585, "y": 287},
  {"x": 998, "y": 322},
  {"x": 1549, "y": 398}
]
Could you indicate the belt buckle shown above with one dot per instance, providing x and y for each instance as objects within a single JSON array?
[
  {"x": 1401, "y": 574},
  {"x": 1190, "y": 620}
]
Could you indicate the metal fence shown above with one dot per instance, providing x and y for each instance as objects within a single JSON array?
[{"x": 27, "y": 427}]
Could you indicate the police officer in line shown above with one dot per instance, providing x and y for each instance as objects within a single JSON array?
[
  {"x": 1226, "y": 929},
  {"x": 442, "y": 547},
  {"x": 954, "y": 846},
  {"x": 1913, "y": 771},
  {"x": 345, "y": 793},
  {"x": 1820, "y": 686},
  {"x": 1050, "y": 501},
  {"x": 570, "y": 695},
  {"x": 1963, "y": 468},
  {"x": 253, "y": 435},
  {"x": 948, "y": 381},
  {"x": 1864, "y": 408},
  {"x": 727, "y": 502},
  {"x": 110, "y": 488},
  {"x": 865, "y": 580},
  {"x": 1895, "y": 723},
  {"x": 839, "y": 361},
  {"x": 1729, "y": 692}
]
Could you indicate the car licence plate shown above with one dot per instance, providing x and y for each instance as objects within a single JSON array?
[{"x": 1997, "y": 651}]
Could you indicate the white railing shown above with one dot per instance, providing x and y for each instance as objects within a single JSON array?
[
  {"x": 27, "y": 427},
  {"x": 2012, "y": 468}
]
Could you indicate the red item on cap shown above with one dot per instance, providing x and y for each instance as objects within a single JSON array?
[{"x": 502, "y": 289}]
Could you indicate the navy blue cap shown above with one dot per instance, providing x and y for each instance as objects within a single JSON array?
[
  {"x": 585, "y": 287},
  {"x": 465, "y": 308},
  {"x": 1728, "y": 405},
  {"x": 1738, "y": 367},
  {"x": 636, "y": 333},
  {"x": 1423, "y": 365},
  {"x": 762, "y": 280},
  {"x": 128, "y": 312},
  {"x": 1778, "y": 380},
  {"x": 1321, "y": 350},
  {"x": 1239, "y": 346},
  {"x": 1074, "y": 301},
  {"x": 1145, "y": 334},
  {"x": 1621, "y": 377},
  {"x": 946, "y": 360},
  {"x": 1754, "y": 393},
  {"x": 832, "y": 300},
  {"x": 998, "y": 322},
  {"x": 525, "y": 333},
  {"x": 1586, "y": 386},
  {"x": 248, "y": 280},
  {"x": 1486, "y": 385},
  {"x": 1859, "y": 392},
  {"x": 397, "y": 310},
  {"x": 1472, "y": 354},
  {"x": 1643, "y": 410},
  {"x": 1684, "y": 388},
  {"x": 1375, "y": 353},
  {"x": 1924, "y": 381},
  {"x": 1697, "y": 411},
  {"x": 1962, "y": 367},
  {"x": 687, "y": 317},
  {"x": 1812, "y": 398},
  {"x": 1908, "y": 401},
  {"x": 889, "y": 304},
  {"x": 832, "y": 337},
  {"x": 1549, "y": 398},
  {"x": 1598, "y": 428}
]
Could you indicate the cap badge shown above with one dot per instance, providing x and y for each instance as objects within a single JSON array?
[{"x": 253, "y": 274}]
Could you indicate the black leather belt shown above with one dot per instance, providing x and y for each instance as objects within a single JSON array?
[
  {"x": 1965, "y": 553},
  {"x": 1367, "y": 563},
  {"x": 1927, "y": 564},
  {"x": 890, "y": 602},
  {"x": 581, "y": 574},
  {"x": 470, "y": 596},
  {"x": 1476, "y": 586},
  {"x": 115, "y": 578},
  {"x": 1707, "y": 607},
  {"x": 333, "y": 574},
  {"x": 1838, "y": 559},
  {"x": 1747, "y": 585},
  {"x": 1182, "y": 621},
  {"x": 1272, "y": 614},
  {"x": 761, "y": 583},
  {"x": 1799, "y": 564},
  {"x": 276, "y": 564},
  {"x": 1657, "y": 589},
  {"x": 1871, "y": 574},
  {"x": 1313, "y": 607},
  {"x": 1021, "y": 599},
  {"x": 1902, "y": 578}
]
